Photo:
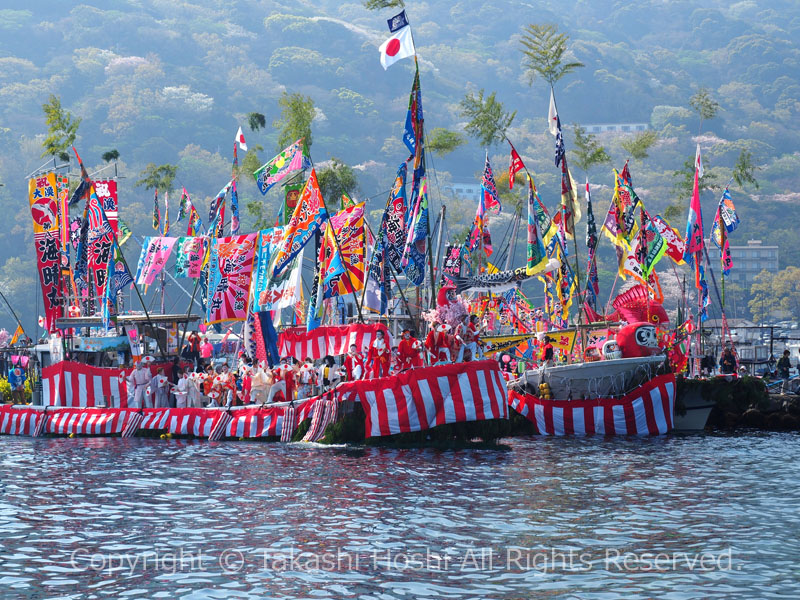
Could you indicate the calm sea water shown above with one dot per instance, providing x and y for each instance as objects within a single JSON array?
[{"x": 674, "y": 517}]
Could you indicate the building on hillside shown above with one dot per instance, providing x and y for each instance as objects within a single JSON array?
[
  {"x": 750, "y": 260},
  {"x": 464, "y": 190},
  {"x": 616, "y": 127}
]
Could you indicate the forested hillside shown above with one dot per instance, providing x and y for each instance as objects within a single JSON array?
[{"x": 164, "y": 81}]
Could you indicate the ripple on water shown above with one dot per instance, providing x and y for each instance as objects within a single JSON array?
[{"x": 552, "y": 518}]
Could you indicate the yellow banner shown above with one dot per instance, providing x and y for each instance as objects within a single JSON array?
[
  {"x": 43, "y": 201},
  {"x": 563, "y": 341}
]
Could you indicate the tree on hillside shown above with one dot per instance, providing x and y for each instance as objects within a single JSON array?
[
  {"x": 639, "y": 146},
  {"x": 297, "y": 113},
  {"x": 487, "y": 119},
  {"x": 589, "y": 152},
  {"x": 775, "y": 291},
  {"x": 683, "y": 186},
  {"x": 161, "y": 177},
  {"x": 110, "y": 155},
  {"x": 744, "y": 170},
  {"x": 62, "y": 129},
  {"x": 704, "y": 105},
  {"x": 544, "y": 52},
  {"x": 442, "y": 141},
  {"x": 256, "y": 121},
  {"x": 251, "y": 162},
  {"x": 336, "y": 179},
  {"x": 378, "y": 4}
]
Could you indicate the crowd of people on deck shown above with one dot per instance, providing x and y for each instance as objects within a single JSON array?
[{"x": 199, "y": 382}]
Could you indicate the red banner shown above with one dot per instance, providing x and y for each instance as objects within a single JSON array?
[{"x": 44, "y": 210}]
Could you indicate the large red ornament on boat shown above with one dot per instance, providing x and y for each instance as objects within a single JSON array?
[
  {"x": 638, "y": 339},
  {"x": 447, "y": 295}
]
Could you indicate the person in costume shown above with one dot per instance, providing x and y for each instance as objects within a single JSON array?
[
  {"x": 547, "y": 354},
  {"x": 408, "y": 351},
  {"x": 16, "y": 379},
  {"x": 437, "y": 343},
  {"x": 283, "y": 380},
  {"x": 328, "y": 375},
  {"x": 353, "y": 364},
  {"x": 138, "y": 380},
  {"x": 307, "y": 379},
  {"x": 379, "y": 356},
  {"x": 181, "y": 391},
  {"x": 159, "y": 388},
  {"x": 195, "y": 388},
  {"x": 259, "y": 385},
  {"x": 247, "y": 383}
]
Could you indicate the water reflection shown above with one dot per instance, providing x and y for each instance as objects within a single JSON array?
[{"x": 109, "y": 518}]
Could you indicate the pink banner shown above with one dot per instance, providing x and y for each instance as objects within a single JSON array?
[
  {"x": 100, "y": 247},
  {"x": 155, "y": 257},
  {"x": 231, "y": 268}
]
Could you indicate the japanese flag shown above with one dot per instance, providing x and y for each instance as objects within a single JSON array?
[
  {"x": 240, "y": 139},
  {"x": 400, "y": 45}
]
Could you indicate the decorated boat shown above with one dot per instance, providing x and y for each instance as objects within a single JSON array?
[
  {"x": 417, "y": 400},
  {"x": 609, "y": 370}
]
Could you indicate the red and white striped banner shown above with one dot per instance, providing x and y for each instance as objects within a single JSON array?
[
  {"x": 70, "y": 383},
  {"x": 74, "y": 384},
  {"x": 647, "y": 410},
  {"x": 422, "y": 398},
  {"x": 323, "y": 341},
  {"x": 199, "y": 422},
  {"x": 18, "y": 421},
  {"x": 90, "y": 421}
]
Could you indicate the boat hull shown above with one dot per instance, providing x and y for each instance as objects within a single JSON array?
[{"x": 646, "y": 410}]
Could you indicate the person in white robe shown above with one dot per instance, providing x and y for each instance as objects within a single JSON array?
[
  {"x": 259, "y": 385},
  {"x": 181, "y": 391},
  {"x": 195, "y": 387},
  {"x": 159, "y": 387},
  {"x": 138, "y": 382}
]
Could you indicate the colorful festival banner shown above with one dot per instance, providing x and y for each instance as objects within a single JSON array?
[
  {"x": 536, "y": 258},
  {"x": 231, "y": 267},
  {"x": 394, "y": 224},
  {"x": 489, "y": 189},
  {"x": 291, "y": 197},
  {"x": 190, "y": 252},
  {"x": 452, "y": 261},
  {"x": 155, "y": 252},
  {"x": 349, "y": 227},
  {"x": 417, "y": 237},
  {"x": 270, "y": 292},
  {"x": 104, "y": 200},
  {"x": 675, "y": 244},
  {"x": 62, "y": 193},
  {"x": 44, "y": 210},
  {"x": 292, "y": 158},
  {"x": 308, "y": 217}
]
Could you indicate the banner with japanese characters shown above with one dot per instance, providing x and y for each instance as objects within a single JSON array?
[
  {"x": 272, "y": 292},
  {"x": 100, "y": 238},
  {"x": 231, "y": 267},
  {"x": 44, "y": 210}
]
